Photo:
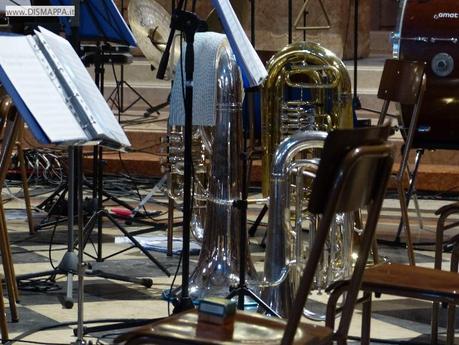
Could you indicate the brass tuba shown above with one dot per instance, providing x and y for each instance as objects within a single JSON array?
[{"x": 308, "y": 90}]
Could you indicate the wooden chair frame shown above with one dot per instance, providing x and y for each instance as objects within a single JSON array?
[{"x": 403, "y": 82}]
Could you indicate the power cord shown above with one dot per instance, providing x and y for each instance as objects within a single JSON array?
[{"x": 20, "y": 337}]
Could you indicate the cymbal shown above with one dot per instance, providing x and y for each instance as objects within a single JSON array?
[{"x": 149, "y": 23}]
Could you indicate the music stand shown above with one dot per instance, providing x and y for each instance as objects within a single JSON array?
[
  {"x": 65, "y": 120},
  {"x": 100, "y": 20},
  {"x": 111, "y": 26}
]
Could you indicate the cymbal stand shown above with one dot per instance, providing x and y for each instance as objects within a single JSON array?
[
  {"x": 119, "y": 90},
  {"x": 98, "y": 194}
]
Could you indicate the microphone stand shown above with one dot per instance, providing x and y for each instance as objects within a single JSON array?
[
  {"x": 188, "y": 23},
  {"x": 356, "y": 104}
]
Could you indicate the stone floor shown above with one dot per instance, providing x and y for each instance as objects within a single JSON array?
[{"x": 43, "y": 319}]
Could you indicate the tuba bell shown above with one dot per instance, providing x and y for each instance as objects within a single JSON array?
[{"x": 308, "y": 89}]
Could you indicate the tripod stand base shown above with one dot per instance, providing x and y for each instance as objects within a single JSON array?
[
  {"x": 174, "y": 297},
  {"x": 247, "y": 293},
  {"x": 147, "y": 282},
  {"x": 183, "y": 304}
]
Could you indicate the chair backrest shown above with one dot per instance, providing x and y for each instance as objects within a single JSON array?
[
  {"x": 401, "y": 81},
  {"x": 354, "y": 169},
  {"x": 404, "y": 82},
  {"x": 338, "y": 144}
]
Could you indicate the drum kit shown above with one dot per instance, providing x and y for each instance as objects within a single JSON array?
[{"x": 427, "y": 31}]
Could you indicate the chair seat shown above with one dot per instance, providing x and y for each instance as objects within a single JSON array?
[
  {"x": 249, "y": 328},
  {"x": 412, "y": 281}
]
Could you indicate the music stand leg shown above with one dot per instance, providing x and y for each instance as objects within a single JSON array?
[
  {"x": 78, "y": 171},
  {"x": 50, "y": 199}
]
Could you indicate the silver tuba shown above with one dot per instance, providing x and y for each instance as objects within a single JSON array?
[
  {"x": 217, "y": 181},
  {"x": 321, "y": 84}
]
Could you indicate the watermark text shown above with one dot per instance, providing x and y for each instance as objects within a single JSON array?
[{"x": 40, "y": 11}]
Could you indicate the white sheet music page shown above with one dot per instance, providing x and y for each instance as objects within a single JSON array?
[
  {"x": 29, "y": 72},
  {"x": 252, "y": 68},
  {"x": 102, "y": 118}
]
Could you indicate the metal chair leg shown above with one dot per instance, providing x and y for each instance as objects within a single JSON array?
[
  {"x": 411, "y": 191},
  {"x": 3, "y": 321},
  {"x": 366, "y": 319},
  {"x": 452, "y": 307},
  {"x": 412, "y": 187},
  {"x": 406, "y": 223}
]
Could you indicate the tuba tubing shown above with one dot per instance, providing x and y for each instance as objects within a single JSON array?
[
  {"x": 319, "y": 71},
  {"x": 277, "y": 257}
]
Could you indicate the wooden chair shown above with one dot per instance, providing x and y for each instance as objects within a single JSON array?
[
  {"x": 444, "y": 225},
  {"x": 403, "y": 82},
  {"x": 413, "y": 282},
  {"x": 353, "y": 173},
  {"x": 10, "y": 124}
]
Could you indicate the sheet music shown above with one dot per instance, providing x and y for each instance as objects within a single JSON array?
[
  {"x": 99, "y": 114},
  {"x": 28, "y": 71},
  {"x": 74, "y": 100},
  {"x": 253, "y": 70}
]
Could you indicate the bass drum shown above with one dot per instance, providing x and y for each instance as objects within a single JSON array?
[{"x": 428, "y": 30}]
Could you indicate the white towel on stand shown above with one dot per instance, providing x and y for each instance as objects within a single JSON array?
[{"x": 206, "y": 45}]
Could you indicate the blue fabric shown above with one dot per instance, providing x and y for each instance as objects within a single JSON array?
[{"x": 99, "y": 20}]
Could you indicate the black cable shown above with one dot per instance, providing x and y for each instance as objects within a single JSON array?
[
  {"x": 389, "y": 341},
  {"x": 51, "y": 240},
  {"x": 64, "y": 324},
  {"x": 39, "y": 343},
  {"x": 172, "y": 284},
  {"x": 43, "y": 285},
  {"x": 26, "y": 251}
]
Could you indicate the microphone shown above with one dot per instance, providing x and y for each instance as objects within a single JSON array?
[{"x": 165, "y": 58}]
